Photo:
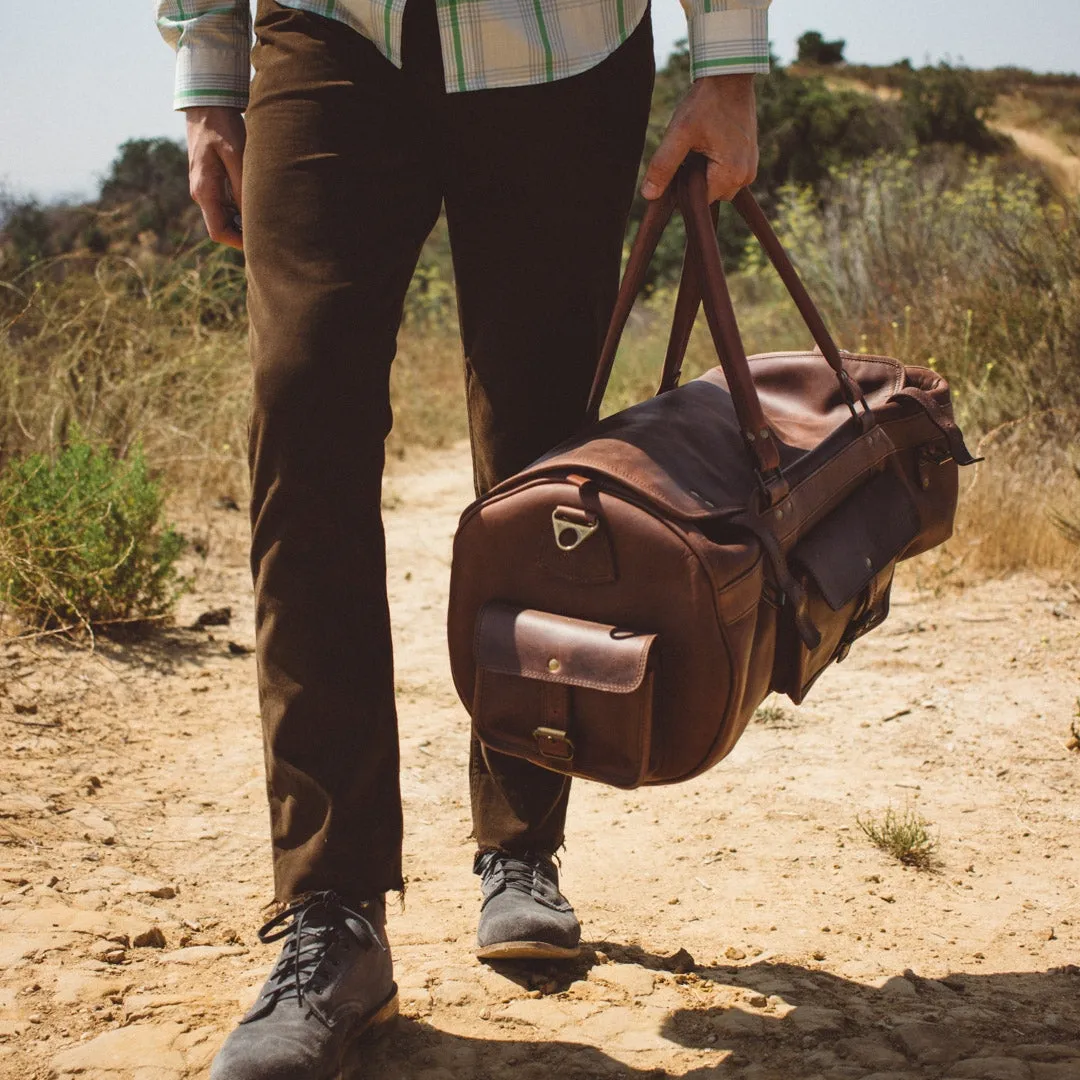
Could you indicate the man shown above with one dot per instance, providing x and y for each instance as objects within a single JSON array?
[{"x": 525, "y": 120}]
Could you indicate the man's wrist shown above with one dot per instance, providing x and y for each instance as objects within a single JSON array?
[{"x": 732, "y": 87}]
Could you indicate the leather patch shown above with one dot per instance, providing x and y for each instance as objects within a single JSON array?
[
  {"x": 870, "y": 529},
  {"x": 572, "y": 696},
  {"x": 556, "y": 649}
]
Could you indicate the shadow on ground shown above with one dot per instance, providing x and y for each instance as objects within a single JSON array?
[{"x": 1003, "y": 1026}]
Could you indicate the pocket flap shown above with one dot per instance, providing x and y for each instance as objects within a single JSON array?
[
  {"x": 865, "y": 533},
  {"x": 556, "y": 649}
]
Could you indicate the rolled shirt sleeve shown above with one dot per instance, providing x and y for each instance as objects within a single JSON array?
[
  {"x": 728, "y": 37},
  {"x": 212, "y": 39}
]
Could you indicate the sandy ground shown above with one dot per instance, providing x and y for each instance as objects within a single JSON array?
[
  {"x": 1063, "y": 166},
  {"x": 740, "y": 926}
]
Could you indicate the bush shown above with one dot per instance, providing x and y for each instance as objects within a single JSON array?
[
  {"x": 149, "y": 178},
  {"x": 972, "y": 270},
  {"x": 944, "y": 104},
  {"x": 81, "y": 540},
  {"x": 959, "y": 266},
  {"x": 905, "y": 837},
  {"x": 814, "y": 49}
]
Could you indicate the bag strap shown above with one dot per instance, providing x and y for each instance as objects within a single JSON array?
[
  {"x": 703, "y": 280},
  {"x": 657, "y": 215}
]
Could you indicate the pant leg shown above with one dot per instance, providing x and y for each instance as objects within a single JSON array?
[
  {"x": 338, "y": 198},
  {"x": 538, "y": 188}
]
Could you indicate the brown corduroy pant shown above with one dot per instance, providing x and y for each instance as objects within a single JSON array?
[{"x": 348, "y": 162}]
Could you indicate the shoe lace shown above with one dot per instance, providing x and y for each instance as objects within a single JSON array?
[
  {"x": 518, "y": 873},
  {"x": 309, "y": 941}
]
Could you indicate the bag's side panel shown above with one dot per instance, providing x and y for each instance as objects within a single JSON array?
[{"x": 506, "y": 549}]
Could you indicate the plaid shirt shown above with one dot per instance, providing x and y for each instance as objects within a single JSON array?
[{"x": 485, "y": 43}]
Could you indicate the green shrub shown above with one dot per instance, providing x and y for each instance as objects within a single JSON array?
[
  {"x": 814, "y": 49},
  {"x": 905, "y": 837},
  {"x": 949, "y": 105},
  {"x": 81, "y": 540},
  {"x": 958, "y": 266}
]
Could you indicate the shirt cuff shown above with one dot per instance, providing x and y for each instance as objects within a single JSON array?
[
  {"x": 732, "y": 41},
  {"x": 213, "y": 62}
]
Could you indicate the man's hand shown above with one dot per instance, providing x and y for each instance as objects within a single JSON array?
[
  {"x": 718, "y": 118},
  {"x": 215, "y": 137}
]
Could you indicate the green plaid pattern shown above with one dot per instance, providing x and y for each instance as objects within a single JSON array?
[{"x": 485, "y": 43}]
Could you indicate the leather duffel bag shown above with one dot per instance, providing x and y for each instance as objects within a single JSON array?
[{"x": 620, "y": 608}]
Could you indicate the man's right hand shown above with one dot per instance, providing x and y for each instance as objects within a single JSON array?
[{"x": 215, "y": 138}]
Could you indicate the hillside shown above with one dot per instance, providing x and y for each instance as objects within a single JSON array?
[{"x": 1039, "y": 113}]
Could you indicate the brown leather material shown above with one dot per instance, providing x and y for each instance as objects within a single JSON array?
[
  {"x": 567, "y": 694},
  {"x": 859, "y": 539},
  {"x": 555, "y": 649},
  {"x": 740, "y": 565}
]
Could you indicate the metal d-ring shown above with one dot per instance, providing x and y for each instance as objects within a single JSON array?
[{"x": 571, "y": 534}]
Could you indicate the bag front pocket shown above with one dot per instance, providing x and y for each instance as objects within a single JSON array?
[
  {"x": 845, "y": 564},
  {"x": 569, "y": 695}
]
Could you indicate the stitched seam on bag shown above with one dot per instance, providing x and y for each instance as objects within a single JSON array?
[
  {"x": 584, "y": 684},
  {"x": 891, "y": 362},
  {"x": 644, "y": 745},
  {"x": 659, "y": 496},
  {"x": 611, "y": 688}
]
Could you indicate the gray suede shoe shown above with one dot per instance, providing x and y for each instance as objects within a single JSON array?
[
  {"x": 523, "y": 915},
  {"x": 332, "y": 983}
]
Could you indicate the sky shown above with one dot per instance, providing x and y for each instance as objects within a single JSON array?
[{"x": 78, "y": 81}]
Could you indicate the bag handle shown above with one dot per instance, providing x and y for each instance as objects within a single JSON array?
[{"x": 703, "y": 280}]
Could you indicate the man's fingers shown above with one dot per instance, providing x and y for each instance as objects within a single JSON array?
[
  {"x": 724, "y": 180},
  {"x": 669, "y": 155},
  {"x": 232, "y": 158},
  {"x": 208, "y": 189},
  {"x": 220, "y": 225}
]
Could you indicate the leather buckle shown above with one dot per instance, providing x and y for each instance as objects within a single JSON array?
[
  {"x": 555, "y": 744},
  {"x": 774, "y": 487}
]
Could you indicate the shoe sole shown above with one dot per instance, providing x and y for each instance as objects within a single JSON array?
[{"x": 527, "y": 950}]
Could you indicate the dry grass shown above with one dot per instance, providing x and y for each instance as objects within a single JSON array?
[
  {"x": 906, "y": 837},
  {"x": 976, "y": 277},
  {"x": 128, "y": 351}
]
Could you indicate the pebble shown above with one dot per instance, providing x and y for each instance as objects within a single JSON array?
[
  {"x": 681, "y": 963},
  {"x": 152, "y": 938},
  {"x": 108, "y": 952}
]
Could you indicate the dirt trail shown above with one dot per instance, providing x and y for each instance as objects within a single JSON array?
[
  {"x": 1063, "y": 166},
  {"x": 133, "y": 857},
  {"x": 1059, "y": 161}
]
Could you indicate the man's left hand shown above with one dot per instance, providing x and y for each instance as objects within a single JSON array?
[{"x": 717, "y": 118}]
